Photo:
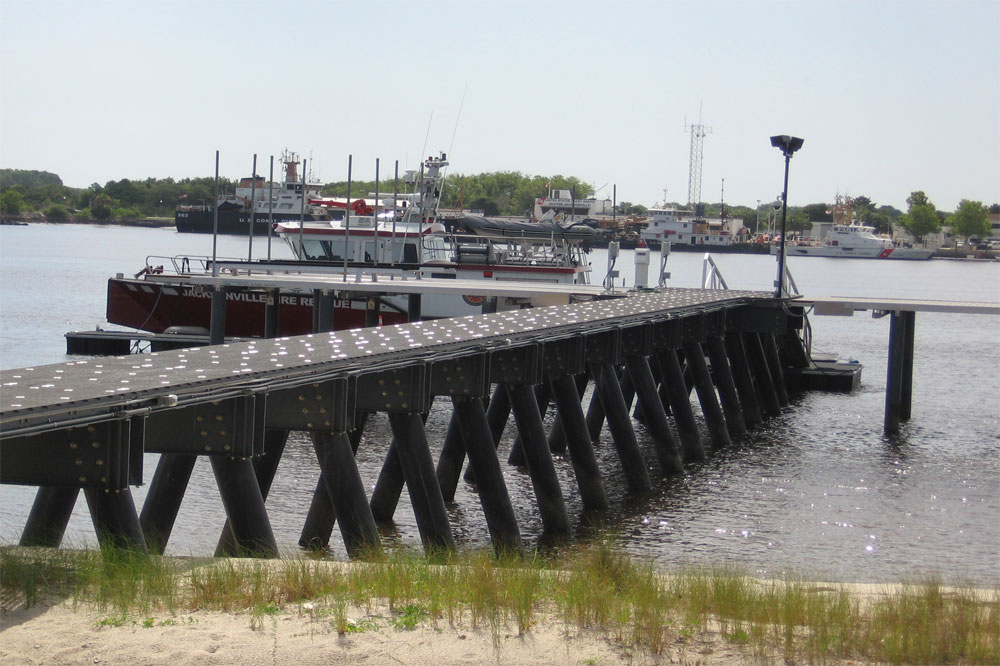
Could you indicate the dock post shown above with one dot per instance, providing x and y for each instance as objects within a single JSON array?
[
  {"x": 655, "y": 417},
  {"x": 595, "y": 416},
  {"x": 449, "y": 466},
  {"x": 714, "y": 418},
  {"x": 425, "y": 494},
  {"x": 680, "y": 405},
  {"x": 390, "y": 482},
  {"x": 726, "y": 384},
  {"x": 761, "y": 371},
  {"x": 906, "y": 405},
  {"x": 322, "y": 516},
  {"x": 272, "y": 310},
  {"x": 322, "y": 311},
  {"x": 579, "y": 444},
  {"x": 543, "y": 394},
  {"x": 622, "y": 433},
  {"x": 373, "y": 311},
  {"x": 538, "y": 458},
  {"x": 244, "y": 505},
  {"x": 413, "y": 308},
  {"x": 899, "y": 373},
  {"x": 163, "y": 499},
  {"x": 557, "y": 434},
  {"x": 346, "y": 491},
  {"x": 774, "y": 365},
  {"x": 264, "y": 468},
  {"x": 217, "y": 319},
  {"x": 49, "y": 516},
  {"x": 493, "y": 496},
  {"x": 497, "y": 414},
  {"x": 115, "y": 519},
  {"x": 743, "y": 379}
]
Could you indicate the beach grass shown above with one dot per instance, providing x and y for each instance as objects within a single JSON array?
[{"x": 597, "y": 586}]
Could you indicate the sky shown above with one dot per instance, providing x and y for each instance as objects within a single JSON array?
[{"x": 889, "y": 96}]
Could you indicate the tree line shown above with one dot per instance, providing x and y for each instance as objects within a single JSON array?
[{"x": 494, "y": 193}]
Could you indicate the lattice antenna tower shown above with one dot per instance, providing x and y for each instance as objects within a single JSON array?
[{"x": 698, "y": 133}]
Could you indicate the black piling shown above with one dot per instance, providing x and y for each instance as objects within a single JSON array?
[
  {"x": 667, "y": 451},
  {"x": 346, "y": 491},
  {"x": 49, "y": 516},
  {"x": 449, "y": 466},
  {"x": 373, "y": 311},
  {"x": 217, "y": 318},
  {"x": 726, "y": 384},
  {"x": 899, "y": 371},
  {"x": 493, "y": 496},
  {"x": 389, "y": 485},
  {"x": 115, "y": 519},
  {"x": 743, "y": 379},
  {"x": 413, "y": 308},
  {"x": 497, "y": 414},
  {"x": 421, "y": 482},
  {"x": 714, "y": 418},
  {"x": 538, "y": 460},
  {"x": 774, "y": 365},
  {"x": 163, "y": 499},
  {"x": 762, "y": 373},
  {"x": 272, "y": 308},
  {"x": 557, "y": 434},
  {"x": 609, "y": 390},
  {"x": 543, "y": 394},
  {"x": 680, "y": 405},
  {"x": 566, "y": 393},
  {"x": 322, "y": 516},
  {"x": 264, "y": 466},
  {"x": 244, "y": 505}
]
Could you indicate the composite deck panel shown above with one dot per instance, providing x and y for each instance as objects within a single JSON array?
[{"x": 156, "y": 379}]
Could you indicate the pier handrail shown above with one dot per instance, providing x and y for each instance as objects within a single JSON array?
[{"x": 711, "y": 276}]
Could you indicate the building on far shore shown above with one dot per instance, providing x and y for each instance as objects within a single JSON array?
[
  {"x": 675, "y": 226},
  {"x": 562, "y": 201}
]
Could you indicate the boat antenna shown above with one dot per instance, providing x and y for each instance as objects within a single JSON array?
[
  {"x": 253, "y": 206},
  {"x": 270, "y": 207},
  {"x": 215, "y": 219},
  {"x": 451, "y": 145}
]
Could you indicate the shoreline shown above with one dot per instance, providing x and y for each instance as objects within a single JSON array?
[{"x": 366, "y": 626}]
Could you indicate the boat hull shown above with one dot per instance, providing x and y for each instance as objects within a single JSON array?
[
  {"x": 906, "y": 253},
  {"x": 231, "y": 222}
]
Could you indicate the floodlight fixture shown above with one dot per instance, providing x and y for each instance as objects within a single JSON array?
[{"x": 786, "y": 144}]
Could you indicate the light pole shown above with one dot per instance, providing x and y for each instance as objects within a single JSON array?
[{"x": 787, "y": 145}]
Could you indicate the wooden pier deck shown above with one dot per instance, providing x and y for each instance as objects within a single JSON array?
[{"x": 85, "y": 425}]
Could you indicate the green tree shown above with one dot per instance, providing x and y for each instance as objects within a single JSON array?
[
  {"x": 917, "y": 198},
  {"x": 970, "y": 220},
  {"x": 11, "y": 202},
  {"x": 56, "y": 212},
  {"x": 818, "y": 212},
  {"x": 921, "y": 221},
  {"x": 100, "y": 206}
]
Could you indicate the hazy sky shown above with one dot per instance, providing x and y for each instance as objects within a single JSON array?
[{"x": 890, "y": 97}]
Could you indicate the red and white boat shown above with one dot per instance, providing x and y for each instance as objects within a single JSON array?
[{"x": 405, "y": 240}]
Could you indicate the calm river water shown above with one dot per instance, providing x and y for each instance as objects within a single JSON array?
[{"x": 818, "y": 491}]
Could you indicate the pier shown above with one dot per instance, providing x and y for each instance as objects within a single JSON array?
[{"x": 85, "y": 425}]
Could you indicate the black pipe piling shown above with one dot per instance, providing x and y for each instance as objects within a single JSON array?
[
  {"x": 49, "y": 516},
  {"x": 264, "y": 467},
  {"x": 622, "y": 433},
  {"x": 115, "y": 519},
  {"x": 667, "y": 451},
  {"x": 566, "y": 393},
  {"x": 743, "y": 379},
  {"x": 762, "y": 373},
  {"x": 389, "y": 485},
  {"x": 421, "y": 482},
  {"x": 680, "y": 405},
  {"x": 322, "y": 516},
  {"x": 244, "y": 505},
  {"x": 346, "y": 491},
  {"x": 373, "y": 311},
  {"x": 543, "y": 395},
  {"x": 217, "y": 317},
  {"x": 272, "y": 309},
  {"x": 538, "y": 460},
  {"x": 449, "y": 466},
  {"x": 714, "y": 419},
  {"x": 163, "y": 499},
  {"x": 497, "y": 414},
  {"x": 899, "y": 370},
  {"x": 726, "y": 384},
  {"x": 774, "y": 365},
  {"x": 493, "y": 496}
]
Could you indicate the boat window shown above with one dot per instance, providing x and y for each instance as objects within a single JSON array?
[
  {"x": 328, "y": 250},
  {"x": 410, "y": 253}
]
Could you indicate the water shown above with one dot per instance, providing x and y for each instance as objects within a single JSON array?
[{"x": 816, "y": 491}]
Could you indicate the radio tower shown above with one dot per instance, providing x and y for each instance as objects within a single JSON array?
[{"x": 698, "y": 133}]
